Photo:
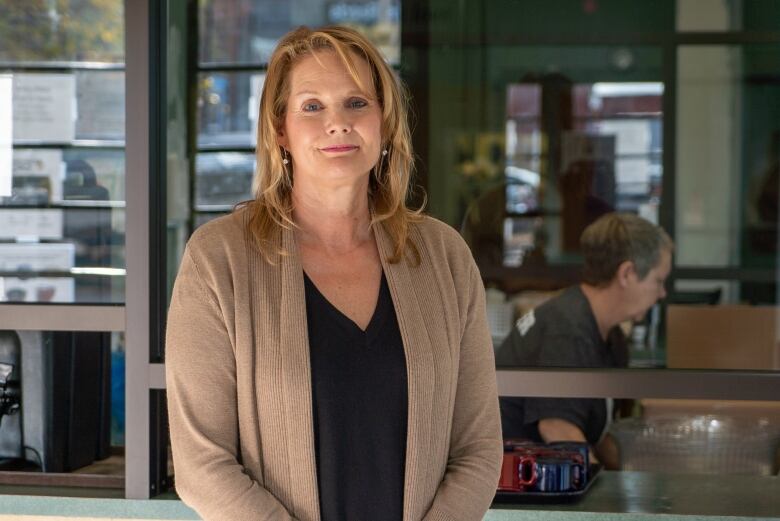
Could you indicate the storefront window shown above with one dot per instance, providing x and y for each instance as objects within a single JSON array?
[
  {"x": 62, "y": 173},
  {"x": 62, "y": 241},
  {"x": 235, "y": 42}
]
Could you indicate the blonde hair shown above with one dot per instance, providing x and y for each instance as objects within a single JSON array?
[{"x": 271, "y": 209}]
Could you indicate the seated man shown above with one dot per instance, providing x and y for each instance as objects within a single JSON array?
[{"x": 627, "y": 260}]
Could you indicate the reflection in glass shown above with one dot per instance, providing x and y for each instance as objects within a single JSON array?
[
  {"x": 591, "y": 149},
  {"x": 61, "y": 107},
  {"x": 729, "y": 108},
  {"x": 755, "y": 15},
  {"x": 77, "y": 30},
  {"x": 223, "y": 179},
  {"x": 228, "y": 105},
  {"x": 44, "y": 107},
  {"x": 100, "y": 100},
  {"x": 62, "y": 227},
  {"x": 247, "y": 30}
]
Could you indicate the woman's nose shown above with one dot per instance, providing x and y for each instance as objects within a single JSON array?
[
  {"x": 339, "y": 125},
  {"x": 341, "y": 128}
]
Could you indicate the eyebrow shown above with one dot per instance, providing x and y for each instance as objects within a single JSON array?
[{"x": 315, "y": 93}]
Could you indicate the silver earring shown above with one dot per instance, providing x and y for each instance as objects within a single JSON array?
[
  {"x": 384, "y": 152},
  {"x": 285, "y": 161}
]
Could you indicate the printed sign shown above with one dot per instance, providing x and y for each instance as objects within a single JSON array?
[
  {"x": 37, "y": 257},
  {"x": 37, "y": 176},
  {"x": 31, "y": 224},
  {"x": 44, "y": 107},
  {"x": 6, "y": 134},
  {"x": 101, "y": 105}
]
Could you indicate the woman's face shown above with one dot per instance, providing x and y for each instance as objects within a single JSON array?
[{"x": 331, "y": 128}]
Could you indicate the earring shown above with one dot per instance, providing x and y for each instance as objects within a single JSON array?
[
  {"x": 384, "y": 152},
  {"x": 285, "y": 161}
]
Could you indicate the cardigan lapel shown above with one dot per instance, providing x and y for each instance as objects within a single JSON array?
[
  {"x": 402, "y": 280},
  {"x": 296, "y": 383}
]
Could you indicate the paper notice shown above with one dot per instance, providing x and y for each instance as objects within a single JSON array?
[
  {"x": 38, "y": 175},
  {"x": 6, "y": 134},
  {"x": 44, "y": 107}
]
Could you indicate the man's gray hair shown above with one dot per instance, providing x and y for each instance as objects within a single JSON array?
[{"x": 618, "y": 237}]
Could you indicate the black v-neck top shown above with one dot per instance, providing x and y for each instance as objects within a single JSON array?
[{"x": 359, "y": 397}]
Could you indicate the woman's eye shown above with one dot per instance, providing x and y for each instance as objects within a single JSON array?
[
  {"x": 311, "y": 107},
  {"x": 357, "y": 104}
]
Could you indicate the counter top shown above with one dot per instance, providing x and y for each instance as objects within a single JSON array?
[
  {"x": 634, "y": 495},
  {"x": 614, "y": 495}
]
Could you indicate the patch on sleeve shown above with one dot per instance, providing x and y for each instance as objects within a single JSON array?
[{"x": 525, "y": 322}]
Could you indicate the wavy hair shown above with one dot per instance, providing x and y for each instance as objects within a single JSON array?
[{"x": 271, "y": 208}]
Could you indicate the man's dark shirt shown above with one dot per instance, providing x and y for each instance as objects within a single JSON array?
[{"x": 562, "y": 332}]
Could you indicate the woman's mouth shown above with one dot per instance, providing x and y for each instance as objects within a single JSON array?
[{"x": 339, "y": 148}]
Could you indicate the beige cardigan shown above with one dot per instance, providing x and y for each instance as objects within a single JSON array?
[{"x": 239, "y": 383}]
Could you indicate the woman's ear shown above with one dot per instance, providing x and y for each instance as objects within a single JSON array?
[{"x": 281, "y": 139}]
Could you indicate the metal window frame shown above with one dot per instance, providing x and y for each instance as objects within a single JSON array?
[
  {"x": 146, "y": 431},
  {"x": 640, "y": 383},
  {"x": 63, "y": 317},
  {"x": 138, "y": 120}
]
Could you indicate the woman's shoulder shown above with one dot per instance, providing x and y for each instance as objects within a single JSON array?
[
  {"x": 218, "y": 238},
  {"x": 443, "y": 243},
  {"x": 432, "y": 229}
]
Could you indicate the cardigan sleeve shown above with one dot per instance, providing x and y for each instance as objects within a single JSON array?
[
  {"x": 476, "y": 449},
  {"x": 200, "y": 372}
]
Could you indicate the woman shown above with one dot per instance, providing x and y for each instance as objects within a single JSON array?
[{"x": 328, "y": 355}]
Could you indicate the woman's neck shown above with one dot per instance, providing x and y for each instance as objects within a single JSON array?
[{"x": 337, "y": 221}]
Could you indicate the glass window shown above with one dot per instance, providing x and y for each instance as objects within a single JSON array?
[
  {"x": 62, "y": 193},
  {"x": 723, "y": 15},
  {"x": 228, "y": 105},
  {"x": 62, "y": 210},
  {"x": 577, "y": 142},
  {"x": 727, "y": 125},
  {"x": 42, "y": 375},
  {"x": 223, "y": 179},
  {"x": 62, "y": 239},
  {"x": 74, "y": 30},
  {"x": 246, "y": 31}
]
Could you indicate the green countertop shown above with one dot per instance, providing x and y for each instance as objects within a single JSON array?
[
  {"x": 614, "y": 495},
  {"x": 636, "y": 495}
]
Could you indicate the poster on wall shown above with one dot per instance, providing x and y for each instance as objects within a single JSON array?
[
  {"x": 37, "y": 176},
  {"x": 44, "y": 107},
  {"x": 6, "y": 134}
]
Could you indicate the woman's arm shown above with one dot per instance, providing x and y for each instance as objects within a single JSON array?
[
  {"x": 202, "y": 409},
  {"x": 476, "y": 449}
]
